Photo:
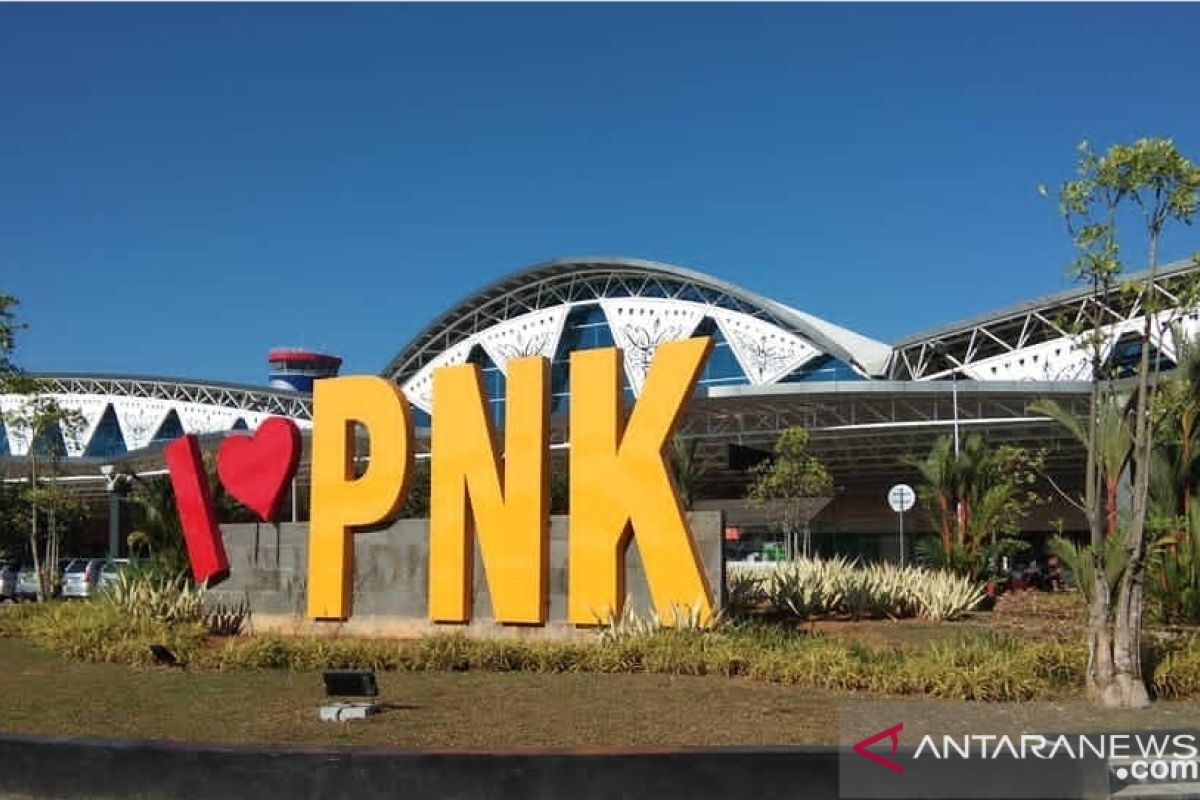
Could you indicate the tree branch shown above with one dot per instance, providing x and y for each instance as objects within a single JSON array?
[{"x": 1063, "y": 494}]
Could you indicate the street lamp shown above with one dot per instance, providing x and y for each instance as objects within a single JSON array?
[
  {"x": 114, "y": 483},
  {"x": 954, "y": 401},
  {"x": 940, "y": 348}
]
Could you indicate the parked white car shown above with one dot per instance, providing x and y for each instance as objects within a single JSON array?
[
  {"x": 9, "y": 570},
  {"x": 82, "y": 577},
  {"x": 112, "y": 568}
]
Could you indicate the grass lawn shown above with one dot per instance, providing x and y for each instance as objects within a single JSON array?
[{"x": 45, "y": 694}]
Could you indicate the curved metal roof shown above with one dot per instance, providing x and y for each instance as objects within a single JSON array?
[
  {"x": 592, "y": 278},
  {"x": 142, "y": 406},
  {"x": 237, "y": 396}
]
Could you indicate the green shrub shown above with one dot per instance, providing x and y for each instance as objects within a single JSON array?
[
  {"x": 808, "y": 588},
  {"x": 268, "y": 651},
  {"x": 98, "y": 631},
  {"x": 155, "y": 595},
  {"x": 226, "y": 619},
  {"x": 1177, "y": 673},
  {"x": 972, "y": 666},
  {"x": 632, "y": 624}
]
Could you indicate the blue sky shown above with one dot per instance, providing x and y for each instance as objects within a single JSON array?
[{"x": 183, "y": 187}]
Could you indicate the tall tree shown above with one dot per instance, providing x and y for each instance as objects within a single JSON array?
[
  {"x": 9, "y": 325},
  {"x": 791, "y": 486},
  {"x": 46, "y": 426},
  {"x": 1151, "y": 182}
]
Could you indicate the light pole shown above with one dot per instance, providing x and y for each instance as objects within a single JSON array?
[
  {"x": 114, "y": 483},
  {"x": 940, "y": 348},
  {"x": 954, "y": 401}
]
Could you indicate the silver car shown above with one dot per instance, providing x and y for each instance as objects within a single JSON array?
[
  {"x": 9, "y": 570},
  {"x": 82, "y": 577},
  {"x": 113, "y": 567},
  {"x": 27, "y": 583}
]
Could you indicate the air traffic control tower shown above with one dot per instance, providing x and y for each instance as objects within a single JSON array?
[{"x": 295, "y": 369}]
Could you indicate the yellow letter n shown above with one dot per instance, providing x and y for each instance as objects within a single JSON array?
[
  {"x": 340, "y": 500},
  {"x": 471, "y": 497},
  {"x": 619, "y": 480}
]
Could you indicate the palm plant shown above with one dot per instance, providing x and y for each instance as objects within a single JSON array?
[
  {"x": 1114, "y": 444},
  {"x": 939, "y": 487},
  {"x": 1174, "y": 486},
  {"x": 975, "y": 498},
  {"x": 686, "y": 468},
  {"x": 159, "y": 526}
]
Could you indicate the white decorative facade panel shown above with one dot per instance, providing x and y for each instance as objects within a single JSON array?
[
  {"x": 765, "y": 352},
  {"x": 1058, "y": 359},
  {"x": 640, "y": 325},
  {"x": 1064, "y": 359},
  {"x": 419, "y": 390},
  {"x": 18, "y": 434},
  {"x": 91, "y": 408},
  {"x": 142, "y": 405},
  {"x": 534, "y": 334},
  {"x": 198, "y": 419},
  {"x": 140, "y": 419}
]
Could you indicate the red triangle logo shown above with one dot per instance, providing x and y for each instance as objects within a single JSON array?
[{"x": 893, "y": 735}]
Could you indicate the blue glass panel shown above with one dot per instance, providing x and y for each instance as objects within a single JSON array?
[
  {"x": 50, "y": 442},
  {"x": 4, "y": 451},
  {"x": 722, "y": 367},
  {"x": 1126, "y": 356},
  {"x": 170, "y": 429},
  {"x": 420, "y": 417},
  {"x": 494, "y": 382},
  {"x": 585, "y": 329},
  {"x": 107, "y": 440}
]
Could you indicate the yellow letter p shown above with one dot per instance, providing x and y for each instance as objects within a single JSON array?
[{"x": 339, "y": 499}]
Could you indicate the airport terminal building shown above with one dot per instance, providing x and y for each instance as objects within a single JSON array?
[{"x": 868, "y": 406}]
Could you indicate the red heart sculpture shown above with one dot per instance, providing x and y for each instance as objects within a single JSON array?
[{"x": 257, "y": 469}]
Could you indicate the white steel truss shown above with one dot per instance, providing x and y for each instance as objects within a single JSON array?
[
  {"x": 1039, "y": 340},
  {"x": 141, "y": 406},
  {"x": 572, "y": 282}
]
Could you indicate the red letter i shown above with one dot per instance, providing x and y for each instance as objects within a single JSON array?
[{"x": 193, "y": 499}]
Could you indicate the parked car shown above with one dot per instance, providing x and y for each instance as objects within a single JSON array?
[
  {"x": 81, "y": 577},
  {"x": 112, "y": 568},
  {"x": 27, "y": 583},
  {"x": 9, "y": 570}
]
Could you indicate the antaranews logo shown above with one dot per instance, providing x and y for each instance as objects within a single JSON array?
[
  {"x": 1014, "y": 765},
  {"x": 892, "y": 734}
]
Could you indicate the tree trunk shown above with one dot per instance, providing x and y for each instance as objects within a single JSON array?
[
  {"x": 33, "y": 518},
  {"x": 944, "y": 503},
  {"x": 51, "y": 559},
  {"x": 1110, "y": 502},
  {"x": 1129, "y": 690},
  {"x": 1100, "y": 657}
]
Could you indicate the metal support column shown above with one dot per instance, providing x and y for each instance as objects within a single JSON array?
[{"x": 114, "y": 523}]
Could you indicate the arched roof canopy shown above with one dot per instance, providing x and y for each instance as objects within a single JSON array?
[{"x": 570, "y": 281}]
